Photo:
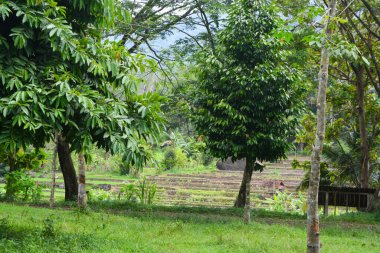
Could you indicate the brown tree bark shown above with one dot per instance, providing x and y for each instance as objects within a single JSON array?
[
  {"x": 364, "y": 145},
  {"x": 313, "y": 240},
  {"x": 247, "y": 208},
  {"x": 68, "y": 170},
  {"x": 54, "y": 167},
  {"x": 246, "y": 181},
  {"x": 82, "y": 196}
]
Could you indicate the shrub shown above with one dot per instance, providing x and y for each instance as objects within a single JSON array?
[
  {"x": 283, "y": 202},
  {"x": 173, "y": 158},
  {"x": 146, "y": 191},
  {"x": 128, "y": 192},
  {"x": 99, "y": 195},
  {"x": 21, "y": 187},
  {"x": 206, "y": 159}
]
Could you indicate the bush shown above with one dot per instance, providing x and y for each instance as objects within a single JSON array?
[
  {"x": 21, "y": 187},
  {"x": 128, "y": 192},
  {"x": 283, "y": 202},
  {"x": 173, "y": 158},
  {"x": 99, "y": 195},
  {"x": 146, "y": 191},
  {"x": 206, "y": 159}
]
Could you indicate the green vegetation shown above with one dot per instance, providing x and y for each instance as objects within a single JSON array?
[
  {"x": 144, "y": 229},
  {"x": 137, "y": 99}
]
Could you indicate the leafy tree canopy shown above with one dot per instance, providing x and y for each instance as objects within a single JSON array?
[
  {"x": 56, "y": 74},
  {"x": 248, "y": 96}
]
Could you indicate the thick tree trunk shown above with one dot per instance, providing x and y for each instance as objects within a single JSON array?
[
  {"x": 247, "y": 208},
  {"x": 313, "y": 242},
  {"x": 68, "y": 170},
  {"x": 242, "y": 196},
  {"x": 364, "y": 145},
  {"x": 82, "y": 196},
  {"x": 54, "y": 167}
]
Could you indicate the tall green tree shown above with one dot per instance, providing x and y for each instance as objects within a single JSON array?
[
  {"x": 56, "y": 74},
  {"x": 248, "y": 96}
]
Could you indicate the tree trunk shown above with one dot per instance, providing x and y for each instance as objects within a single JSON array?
[
  {"x": 247, "y": 208},
  {"x": 242, "y": 196},
  {"x": 82, "y": 197},
  {"x": 11, "y": 159},
  {"x": 374, "y": 202},
  {"x": 54, "y": 167},
  {"x": 364, "y": 145},
  {"x": 68, "y": 170},
  {"x": 313, "y": 243}
]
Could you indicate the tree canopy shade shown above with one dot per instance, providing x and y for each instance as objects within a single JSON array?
[
  {"x": 248, "y": 96},
  {"x": 57, "y": 75}
]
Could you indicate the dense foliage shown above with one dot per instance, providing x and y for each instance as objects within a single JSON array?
[
  {"x": 58, "y": 75},
  {"x": 247, "y": 97}
]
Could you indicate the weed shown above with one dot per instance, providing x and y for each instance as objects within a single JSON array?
[
  {"x": 48, "y": 228},
  {"x": 4, "y": 227}
]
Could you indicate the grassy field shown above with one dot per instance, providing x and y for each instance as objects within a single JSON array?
[{"x": 123, "y": 228}]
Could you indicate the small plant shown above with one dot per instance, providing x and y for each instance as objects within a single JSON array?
[
  {"x": 99, "y": 195},
  {"x": 4, "y": 227},
  {"x": 283, "y": 202},
  {"x": 49, "y": 229},
  {"x": 21, "y": 187},
  {"x": 146, "y": 191},
  {"x": 127, "y": 192}
]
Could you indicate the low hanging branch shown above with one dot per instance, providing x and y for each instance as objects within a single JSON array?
[{"x": 313, "y": 240}]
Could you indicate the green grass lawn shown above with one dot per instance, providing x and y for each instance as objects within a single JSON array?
[{"x": 118, "y": 228}]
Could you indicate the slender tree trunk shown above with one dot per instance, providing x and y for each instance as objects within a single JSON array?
[
  {"x": 11, "y": 160},
  {"x": 54, "y": 167},
  {"x": 245, "y": 183},
  {"x": 364, "y": 145},
  {"x": 313, "y": 242},
  {"x": 82, "y": 197},
  {"x": 68, "y": 170}
]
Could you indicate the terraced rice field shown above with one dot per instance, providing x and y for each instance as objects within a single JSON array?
[{"x": 218, "y": 189}]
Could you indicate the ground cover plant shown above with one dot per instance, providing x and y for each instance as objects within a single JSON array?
[{"x": 175, "y": 229}]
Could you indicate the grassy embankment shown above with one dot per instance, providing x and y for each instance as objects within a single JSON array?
[{"x": 122, "y": 228}]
